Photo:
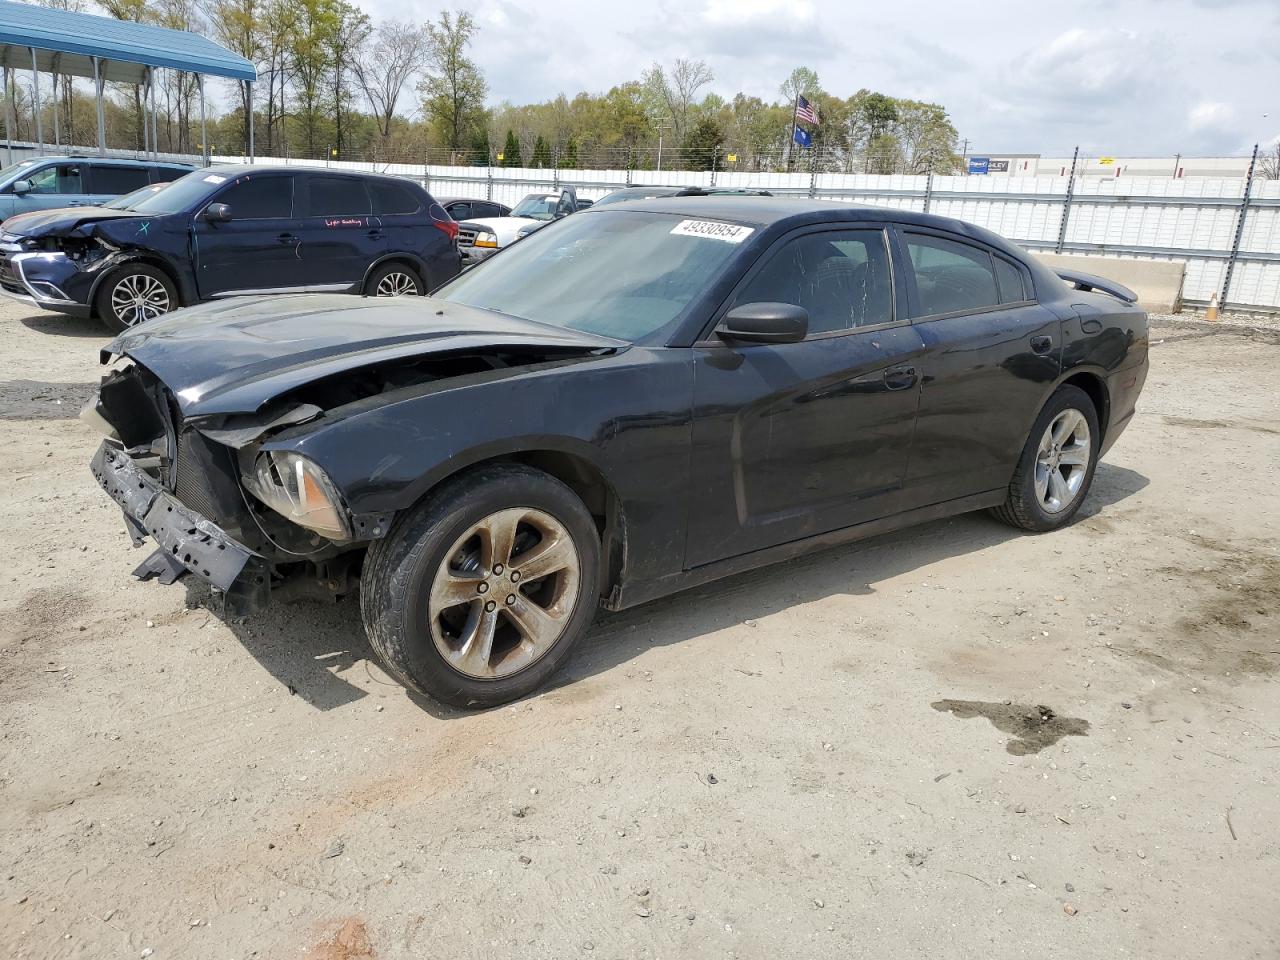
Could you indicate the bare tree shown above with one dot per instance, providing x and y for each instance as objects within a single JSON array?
[
  {"x": 1269, "y": 162},
  {"x": 389, "y": 64},
  {"x": 673, "y": 92}
]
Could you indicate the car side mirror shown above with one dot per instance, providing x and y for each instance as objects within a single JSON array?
[
  {"x": 765, "y": 322},
  {"x": 217, "y": 213},
  {"x": 21, "y": 186}
]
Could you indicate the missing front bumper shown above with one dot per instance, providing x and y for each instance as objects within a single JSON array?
[{"x": 188, "y": 543}]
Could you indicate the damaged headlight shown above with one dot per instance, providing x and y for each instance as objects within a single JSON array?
[
  {"x": 486, "y": 238},
  {"x": 298, "y": 490}
]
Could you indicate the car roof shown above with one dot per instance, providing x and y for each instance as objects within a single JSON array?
[
  {"x": 762, "y": 211},
  {"x": 238, "y": 169},
  {"x": 468, "y": 200},
  {"x": 111, "y": 161}
]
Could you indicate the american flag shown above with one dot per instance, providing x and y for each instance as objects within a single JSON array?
[{"x": 805, "y": 111}]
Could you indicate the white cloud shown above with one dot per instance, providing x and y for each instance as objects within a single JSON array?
[
  {"x": 1210, "y": 115},
  {"x": 775, "y": 12}
]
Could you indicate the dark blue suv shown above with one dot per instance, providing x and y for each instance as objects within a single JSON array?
[{"x": 227, "y": 231}]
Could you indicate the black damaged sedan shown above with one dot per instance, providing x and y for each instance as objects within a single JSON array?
[{"x": 633, "y": 401}]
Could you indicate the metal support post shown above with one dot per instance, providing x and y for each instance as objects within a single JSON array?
[
  {"x": 204, "y": 130},
  {"x": 928, "y": 190},
  {"x": 35, "y": 99},
  {"x": 8, "y": 116},
  {"x": 249, "y": 101},
  {"x": 98, "y": 83},
  {"x": 1066, "y": 206},
  {"x": 813, "y": 173},
  {"x": 1235, "y": 243}
]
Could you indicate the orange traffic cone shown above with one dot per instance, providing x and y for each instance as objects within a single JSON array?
[{"x": 1212, "y": 312}]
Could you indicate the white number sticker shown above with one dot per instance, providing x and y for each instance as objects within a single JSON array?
[
  {"x": 214, "y": 178},
  {"x": 710, "y": 229}
]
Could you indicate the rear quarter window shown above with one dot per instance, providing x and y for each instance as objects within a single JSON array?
[
  {"x": 393, "y": 198},
  {"x": 1013, "y": 286}
]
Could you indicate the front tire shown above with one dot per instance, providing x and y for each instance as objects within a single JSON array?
[
  {"x": 1057, "y": 464},
  {"x": 479, "y": 595},
  {"x": 134, "y": 294}
]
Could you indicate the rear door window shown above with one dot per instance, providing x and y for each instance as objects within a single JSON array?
[
  {"x": 392, "y": 198},
  {"x": 116, "y": 180},
  {"x": 465, "y": 210},
  {"x": 259, "y": 197},
  {"x": 338, "y": 197},
  {"x": 951, "y": 277}
]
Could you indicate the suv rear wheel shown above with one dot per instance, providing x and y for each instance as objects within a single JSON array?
[
  {"x": 395, "y": 280},
  {"x": 479, "y": 595},
  {"x": 133, "y": 294}
]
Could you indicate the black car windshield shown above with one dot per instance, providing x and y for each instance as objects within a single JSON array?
[
  {"x": 129, "y": 199},
  {"x": 180, "y": 195},
  {"x": 618, "y": 273},
  {"x": 537, "y": 206}
]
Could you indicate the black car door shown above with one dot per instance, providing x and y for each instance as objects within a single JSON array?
[
  {"x": 991, "y": 353},
  {"x": 341, "y": 237},
  {"x": 792, "y": 440},
  {"x": 258, "y": 248}
]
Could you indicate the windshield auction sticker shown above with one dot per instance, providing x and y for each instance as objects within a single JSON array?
[{"x": 728, "y": 232}]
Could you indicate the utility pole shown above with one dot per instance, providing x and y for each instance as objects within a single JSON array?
[{"x": 964, "y": 158}]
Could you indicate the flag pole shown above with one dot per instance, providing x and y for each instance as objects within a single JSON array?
[{"x": 791, "y": 142}]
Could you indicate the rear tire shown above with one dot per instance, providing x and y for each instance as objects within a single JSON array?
[
  {"x": 1056, "y": 468},
  {"x": 476, "y": 597},
  {"x": 395, "y": 280},
  {"x": 133, "y": 294}
]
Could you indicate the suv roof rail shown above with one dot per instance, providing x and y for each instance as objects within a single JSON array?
[{"x": 722, "y": 191}]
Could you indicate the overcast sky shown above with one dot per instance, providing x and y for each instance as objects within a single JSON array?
[{"x": 1122, "y": 77}]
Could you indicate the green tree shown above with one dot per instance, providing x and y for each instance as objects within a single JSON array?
[
  {"x": 454, "y": 89},
  {"x": 569, "y": 160},
  {"x": 670, "y": 93},
  {"x": 702, "y": 143},
  {"x": 511, "y": 151},
  {"x": 312, "y": 40},
  {"x": 926, "y": 138},
  {"x": 541, "y": 153},
  {"x": 802, "y": 82},
  {"x": 345, "y": 43}
]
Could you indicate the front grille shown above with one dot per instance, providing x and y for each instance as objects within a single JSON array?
[{"x": 467, "y": 236}]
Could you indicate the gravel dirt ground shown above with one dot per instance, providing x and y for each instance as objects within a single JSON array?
[{"x": 955, "y": 741}]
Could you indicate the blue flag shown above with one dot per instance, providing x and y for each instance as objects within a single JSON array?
[{"x": 804, "y": 138}]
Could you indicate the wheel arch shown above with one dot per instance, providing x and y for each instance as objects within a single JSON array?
[
  {"x": 399, "y": 256},
  {"x": 577, "y": 470},
  {"x": 1093, "y": 384},
  {"x": 185, "y": 296}
]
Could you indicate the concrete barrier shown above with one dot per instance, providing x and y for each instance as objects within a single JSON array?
[{"x": 1158, "y": 283}]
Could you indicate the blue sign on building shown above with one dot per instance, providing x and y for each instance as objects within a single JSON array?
[{"x": 979, "y": 164}]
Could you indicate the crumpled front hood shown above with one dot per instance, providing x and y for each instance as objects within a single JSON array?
[
  {"x": 233, "y": 356},
  {"x": 60, "y": 222}
]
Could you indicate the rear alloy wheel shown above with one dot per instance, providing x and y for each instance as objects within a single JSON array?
[
  {"x": 1056, "y": 468},
  {"x": 476, "y": 597},
  {"x": 395, "y": 280},
  {"x": 134, "y": 295}
]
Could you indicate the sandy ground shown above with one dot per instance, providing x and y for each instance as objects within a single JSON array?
[{"x": 842, "y": 756}]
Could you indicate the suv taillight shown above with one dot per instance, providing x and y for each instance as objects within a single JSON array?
[{"x": 441, "y": 220}]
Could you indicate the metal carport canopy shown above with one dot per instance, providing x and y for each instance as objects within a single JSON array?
[{"x": 67, "y": 42}]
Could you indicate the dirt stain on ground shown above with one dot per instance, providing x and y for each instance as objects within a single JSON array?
[
  {"x": 1032, "y": 727},
  {"x": 349, "y": 942},
  {"x": 1218, "y": 424}
]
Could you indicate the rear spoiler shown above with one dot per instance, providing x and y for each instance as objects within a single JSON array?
[{"x": 1091, "y": 283}]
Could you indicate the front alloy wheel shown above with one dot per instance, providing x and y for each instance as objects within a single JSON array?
[
  {"x": 137, "y": 297},
  {"x": 504, "y": 593},
  {"x": 480, "y": 593}
]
